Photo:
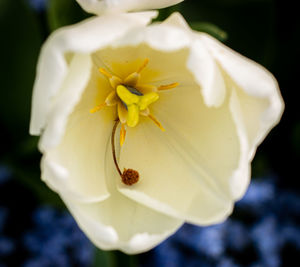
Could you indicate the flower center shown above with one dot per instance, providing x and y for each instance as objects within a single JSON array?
[
  {"x": 135, "y": 102},
  {"x": 132, "y": 99}
]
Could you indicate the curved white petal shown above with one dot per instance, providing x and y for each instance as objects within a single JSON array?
[
  {"x": 173, "y": 35},
  {"x": 75, "y": 167},
  {"x": 257, "y": 89},
  {"x": 202, "y": 65},
  {"x": 105, "y": 6},
  {"x": 256, "y": 103},
  {"x": 120, "y": 223},
  {"x": 186, "y": 170},
  {"x": 255, "y": 100},
  {"x": 53, "y": 67}
]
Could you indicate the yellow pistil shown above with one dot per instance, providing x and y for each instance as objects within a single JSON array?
[{"x": 135, "y": 103}]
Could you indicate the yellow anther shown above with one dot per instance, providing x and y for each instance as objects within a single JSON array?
[
  {"x": 133, "y": 115},
  {"x": 147, "y": 99},
  {"x": 167, "y": 86},
  {"x": 156, "y": 122},
  {"x": 111, "y": 99},
  {"x": 115, "y": 81},
  {"x": 132, "y": 79},
  {"x": 105, "y": 72},
  {"x": 146, "y": 88},
  {"x": 143, "y": 65},
  {"x": 97, "y": 108},
  {"x": 122, "y": 134},
  {"x": 122, "y": 112},
  {"x": 126, "y": 96}
]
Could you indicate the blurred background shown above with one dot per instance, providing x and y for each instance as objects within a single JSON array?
[{"x": 36, "y": 229}]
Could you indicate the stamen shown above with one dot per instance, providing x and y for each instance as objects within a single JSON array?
[
  {"x": 146, "y": 61},
  {"x": 97, "y": 108},
  {"x": 122, "y": 112},
  {"x": 156, "y": 122},
  {"x": 132, "y": 79},
  {"x": 111, "y": 99},
  {"x": 167, "y": 86},
  {"x": 105, "y": 73},
  {"x": 129, "y": 176},
  {"x": 122, "y": 134}
]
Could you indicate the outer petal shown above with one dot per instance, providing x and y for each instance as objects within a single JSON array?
[
  {"x": 75, "y": 168},
  {"x": 102, "y": 6},
  {"x": 120, "y": 223},
  {"x": 255, "y": 100},
  {"x": 256, "y": 104},
  {"x": 72, "y": 165},
  {"x": 53, "y": 67},
  {"x": 201, "y": 64},
  {"x": 174, "y": 34},
  {"x": 253, "y": 84}
]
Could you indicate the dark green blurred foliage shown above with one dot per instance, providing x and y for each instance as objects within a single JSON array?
[
  {"x": 20, "y": 45},
  {"x": 266, "y": 31},
  {"x": 64, "y": 12}
]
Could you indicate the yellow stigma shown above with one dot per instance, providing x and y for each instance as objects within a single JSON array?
[{"x": 135, "y": 103}]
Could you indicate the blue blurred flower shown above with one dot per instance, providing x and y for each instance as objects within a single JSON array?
[
  {"x": 56, "y": 240},
  {"x": 3, "y": 217},
  {"x": 207, "y": 240},
  {"x": 227, "y": 262},
  {"x": 260, "y": 193},
  {"x": 237, "y": 235},
  {"x": 5, "y": 174},
  {"x": 290, "y": 234},
  {"x": 288, "y": 205},
  {"x": 7, "y": 246},
  {"x": 266, "y": 236},
  {"x": 38, "y": 5},
  {"x": 166, "y": 255}
]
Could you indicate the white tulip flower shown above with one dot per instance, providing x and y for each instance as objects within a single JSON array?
[{"x": 180, "y": 111}]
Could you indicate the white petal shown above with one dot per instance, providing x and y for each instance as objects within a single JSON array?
[
  {"x": 256, "y": 104},
  {"x": 186, "y": 170},
  {"x": 72, "y": 87},
  {"x": 177, "y": 20},
  {"x": 75, "y": 167},
  {"x": 207, "y": 74},
  {"x": 86, "y": 37},
  {"x": 173, "y": 35},
  {"x": 257, "y": 86},
  {"x": 109, "y": 6},
  {"x": 202, "y": 65},
  {"x": 120, "y": 223}
]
